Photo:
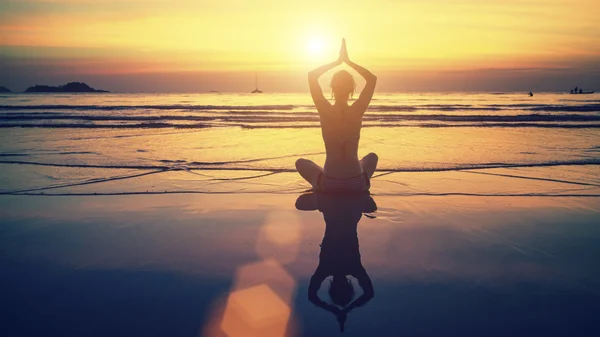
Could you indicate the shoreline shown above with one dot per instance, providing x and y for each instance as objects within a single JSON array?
[{"x": 530, "y": 181}]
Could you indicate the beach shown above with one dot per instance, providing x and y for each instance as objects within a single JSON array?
[{"x": 178, "y": 215}]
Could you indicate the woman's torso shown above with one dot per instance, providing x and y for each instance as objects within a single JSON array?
[{"x": 340, "y": 128}]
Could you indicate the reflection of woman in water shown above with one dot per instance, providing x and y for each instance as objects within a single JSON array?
[
  {"x": 340, "y": 127},
  {"x": 340, "y": 255}
]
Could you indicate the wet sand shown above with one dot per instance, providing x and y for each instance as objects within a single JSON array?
[{"x": 483, "y": 255}]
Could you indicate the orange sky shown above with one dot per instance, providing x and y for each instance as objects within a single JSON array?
[{"x": 187, "y": 45}]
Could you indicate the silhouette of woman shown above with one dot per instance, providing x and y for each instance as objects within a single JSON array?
[
  {"x": 340, "y": 255},
  {"x": 340, "y": 127}
]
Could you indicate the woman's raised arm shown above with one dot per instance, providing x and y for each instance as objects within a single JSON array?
[
  {"x": 313, "y": 78},
  {"x": 367, "y": 93},
  {"x": 315, "y": 88}
]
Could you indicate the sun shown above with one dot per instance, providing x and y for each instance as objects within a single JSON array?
[{"x": 315, "y": 47}]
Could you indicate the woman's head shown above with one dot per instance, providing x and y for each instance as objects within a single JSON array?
[
  {"x": 341, "y": 291},
  {"x": 342, "y": 85}
]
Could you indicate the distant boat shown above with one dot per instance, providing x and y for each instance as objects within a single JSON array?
[
  {"x": 256, "y": 91},
  {"x": 578, "y": 91}
]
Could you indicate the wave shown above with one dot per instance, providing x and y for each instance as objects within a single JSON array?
[
  {"x": 299, "y": 190},
  {"x": 146, "y": 107},
  {"x": 13, "y": 155},
  {"x": 594, "y": 107},
  {"x": 292, "y": 126},
  {"x": 230, "y": 166},
  {"x": 489, "y": 107},
  {"x": 440, "y": 125},
  {"x": 299, "y": 117},
  {"x": 181, "y": 116},
  {"x": 106, "y": 126}
]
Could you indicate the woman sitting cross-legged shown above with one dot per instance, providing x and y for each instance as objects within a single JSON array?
[{"x": 340, "y": 127}]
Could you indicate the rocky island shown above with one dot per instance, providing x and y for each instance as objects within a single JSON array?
[
  {"x": 3, "y": 89},
  {"x": 69, "y": 87}
]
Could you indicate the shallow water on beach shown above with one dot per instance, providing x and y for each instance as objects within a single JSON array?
[
  {"x": 54, "y": 143},
  {"x": 182, "y": 215}
]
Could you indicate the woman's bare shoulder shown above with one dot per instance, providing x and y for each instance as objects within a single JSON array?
[{"x": 357, "y": 109}]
